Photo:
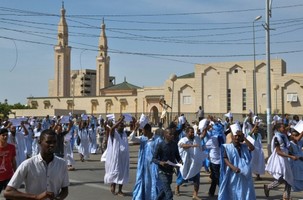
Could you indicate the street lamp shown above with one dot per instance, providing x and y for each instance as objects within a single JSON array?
[
  {"x": 255, "y": 71},
  {"x": 74, "y": 76},
  {"x": 173, "y": 78}
]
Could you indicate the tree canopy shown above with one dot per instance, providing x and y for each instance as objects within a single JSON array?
[{"x": 5, "y": 108}]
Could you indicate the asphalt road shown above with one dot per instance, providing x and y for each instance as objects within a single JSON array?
[{"x": 86, "y": 182}]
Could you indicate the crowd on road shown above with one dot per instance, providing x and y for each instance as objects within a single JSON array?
[{"x": 231, "y": 151}]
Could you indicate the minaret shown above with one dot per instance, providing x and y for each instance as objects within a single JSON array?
[
  {"x": 62, "y": 78},
  {"x": 102, "y": 79}
]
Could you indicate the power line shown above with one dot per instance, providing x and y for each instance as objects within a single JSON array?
[
  {"x": 174, "y": 39},
  {"x": 32, "y": 13},
  {"x": 115, "y": 29},
  {"x": 16, "y": 58},
  {"x": 169, "y": 39},
  {"x": 160, "y": 38}
]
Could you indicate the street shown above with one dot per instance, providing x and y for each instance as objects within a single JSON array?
[{"x": 86, "y": 182}]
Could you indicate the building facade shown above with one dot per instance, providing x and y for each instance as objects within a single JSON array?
[{"x": 217, "y": 87}]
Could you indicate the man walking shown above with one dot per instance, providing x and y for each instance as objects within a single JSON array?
[
  {"x": 200, "y": 113},
  {"x": 117, "y": 158}
]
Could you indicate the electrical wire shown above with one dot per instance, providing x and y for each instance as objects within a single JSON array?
[
  {"x": 17, "y": 55},
  {"x": 278, "y": 24}
]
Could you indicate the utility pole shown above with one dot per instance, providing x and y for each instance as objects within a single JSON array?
[{"x": 268, "y": 89}]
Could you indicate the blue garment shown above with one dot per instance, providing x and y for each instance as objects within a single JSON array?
[
  {"x": 286, "y": 121},
  {"x": 46, "y": 123},
  {"x": 29, "y": 140},
  {"x": 235, "y": 186},
  {"x": 297, "y": 165},
  {"x": 72, "y": 140},
  {"x": 178, "y": 134},
  {"x": 146, "y": 187},
  {"x": 206, "y": 162},
  {"x": 218, "y": 131},
  {"x": 181, "y": 135},
  {"x": 214, "y": 143},
  {"x": 214, "y": 146},
  {"x": 180, "y": 180},
  {"x": 166, "y": 193},
  {"x": 93, "y": 121}
]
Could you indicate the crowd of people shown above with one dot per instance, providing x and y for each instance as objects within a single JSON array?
[{"x": 230, "y": 151}]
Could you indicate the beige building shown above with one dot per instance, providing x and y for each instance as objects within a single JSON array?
[
  {"x": 217, "y": 87},
  {"x": 229, "y": 86}
]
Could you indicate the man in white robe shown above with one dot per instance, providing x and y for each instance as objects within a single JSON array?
[
  {"x": 258, "y": 159},
  {"x": 92, "y": 132},
  {"x": 35, "y": 144},
  {"x": 248, "y": 123},
  {"x": 164, "y": 116},
  {"x": 192, "y": 157},
  {"x": 16, "y": 137},
  {"x": 117, "y": 158},
  {"x": 83, "y": 147},
  {"x": 28, "y": 139}
]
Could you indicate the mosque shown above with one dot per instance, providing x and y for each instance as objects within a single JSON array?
[{"x": 217, "y": 87}]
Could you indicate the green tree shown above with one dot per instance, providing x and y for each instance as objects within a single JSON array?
[
  {"x": 4, "y": 109},
  {"x": 19, "y": 106}
]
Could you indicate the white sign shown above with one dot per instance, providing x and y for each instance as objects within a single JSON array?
[{"x": 299, "y": 126}]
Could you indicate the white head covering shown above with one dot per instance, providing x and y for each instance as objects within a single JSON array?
[
  {"x": 182, "y": 119},
  {"x": 299, "y": 126},
  {"x": 256, "y": 119},
  {"x": 277, "y": 119},
  {"x": 111, "y": 117},
  {"x": 84, "y": 117},
  {"x": 127, "y": 117},
  {"x": 235, "y": 128},
  {"x": 143, "y": 120},
  {"x": 229, "y": 115},
  {"x": 202, "y": 124}
]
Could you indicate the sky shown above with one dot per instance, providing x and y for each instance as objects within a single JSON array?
[{"x": 148, "y": 40}]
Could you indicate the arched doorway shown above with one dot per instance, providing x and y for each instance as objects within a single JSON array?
[{"x": 154, "y": 115}]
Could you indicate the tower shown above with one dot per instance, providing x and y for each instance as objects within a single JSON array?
[
  {"x": 61, "y": 87},
  {"x": 102, "y": 78}
]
